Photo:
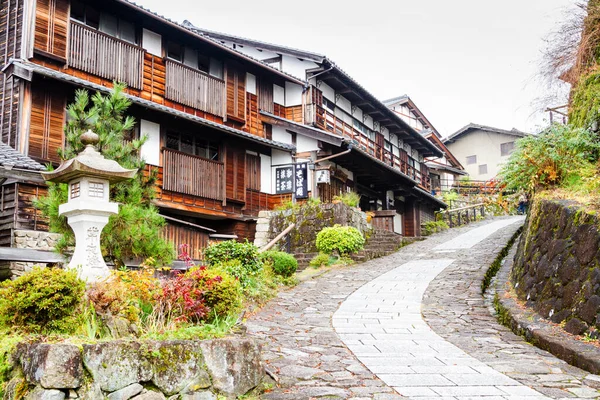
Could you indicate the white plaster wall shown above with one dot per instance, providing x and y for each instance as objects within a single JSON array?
[
  {"x": 281, "y": 135},
  {"x": 385, "y": 132},
  {"x": 368, "y": 122},
  {"x": 398, "y": 223},
  {"x": 297, "y": 67},
  {"x": 328, "y": 91},
  {"x": 486, "y": 146},
  {"x": 152, "y": 42},
  {"x": 266, "y": 184},
  {"x": 150, "y": 150},
  {"x": 250, "y": 83},
  {"x": 280, "y": 157},
  {"x": 251, "y": 51},
  {"x": 344, "y": 104},
  {"x": 278, "y": 94},
  {"x": 304, "y": 143},
  {"x": 293, "y": 94},
  {"x": 358, "y": 114}
]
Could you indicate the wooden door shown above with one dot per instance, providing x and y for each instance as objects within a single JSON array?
[{"x": 51, "y": 28}]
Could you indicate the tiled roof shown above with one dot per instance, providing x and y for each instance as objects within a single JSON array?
[
  {"x": 211, "y": 40},
  {"x": 11, "y": 158},
  {"x": 472, "y": 126},
  {"x": 154, "y": 106}
]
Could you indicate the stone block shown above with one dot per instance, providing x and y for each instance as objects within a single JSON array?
[
  {"x": 576, "y": 326},
  {"x": 234, "y": 365},
  {"x": 150, "y": 395},
  {"x": 40, "y": 393},
  {"x": 127, "y": 392},
  {"x": 117, "y": 364},
  {"x": 177, "y": 364},
  {"x": 53, "y": 366},
  {"x": 204, "y": 395}
]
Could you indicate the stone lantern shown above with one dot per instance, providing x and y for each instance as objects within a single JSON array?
[{"x": 88, "y": 208}]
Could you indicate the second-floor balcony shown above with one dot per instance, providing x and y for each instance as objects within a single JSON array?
[
  {"x": 193, "y": 175},
  {"x": 391, "y": 155},
  {"x": 194, "y": 88},
  {"x": 106, "y": 56}
]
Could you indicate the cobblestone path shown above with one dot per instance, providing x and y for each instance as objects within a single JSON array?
[{"x": 371, "y": 356}]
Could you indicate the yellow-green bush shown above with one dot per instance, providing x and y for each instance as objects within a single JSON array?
[
  {"x": 341, "y": 239},
  {"x": 44, "y": 300},
  {"x": 283, "y": 264}
]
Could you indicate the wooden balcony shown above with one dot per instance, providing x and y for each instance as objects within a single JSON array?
[
  {"x": 194, "y": 88},
  {"x": 397, "y": 158},
  {"x": 192, "y": 175},
  {"x": 103, "y": 55}
]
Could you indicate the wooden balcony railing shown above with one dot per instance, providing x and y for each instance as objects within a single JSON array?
[
  {"x": 189, "y": 174},
  {"x": 105, "y": 56},
  {"x": 397, "y": 158},
  {"x": 194, "y": 88}
]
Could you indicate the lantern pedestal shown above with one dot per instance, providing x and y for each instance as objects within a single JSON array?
[{"x": 87, "y": 223}]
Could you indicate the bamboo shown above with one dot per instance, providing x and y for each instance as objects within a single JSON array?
[{"x": 277, "y": 238}]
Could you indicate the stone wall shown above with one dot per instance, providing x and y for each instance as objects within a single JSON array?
[
  {"x": 557, "y": 265},
  {"x": 310, "y": 219},
  {"x": 26, "y": 239},
  {"x": 121, "y": 370}
]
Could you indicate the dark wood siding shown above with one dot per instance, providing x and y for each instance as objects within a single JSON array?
[
  {"x": 265, "y": 95},
  {"x": 51, "y": 28},
  {"x": 11, "y": 30},
  {"x": 196, "y": 239},
  {"x": 235, "y": 174},
  {"x": 46, "y": 127},
  {"x": 236, "y": 93},
  {"x": 252, "y": 172},
  {"x": 9, "y": 110},
  {"x": 7, "y": 213}
]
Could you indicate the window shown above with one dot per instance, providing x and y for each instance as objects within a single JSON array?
[
  {"x": 195, "y": 59},
  {"x": 75, "y": 190},
  {"x": 190, "y": 144},
  {"x": 471, "y": 160},
  {"x": 104, "y": 22},
  {"x": 363, "y": 129},
  {"x": 507, "y": 148},
  {"x": 483, "y": 169},
  {"x": 329, "y": 104},
  {"x": 96, "y": 189}
]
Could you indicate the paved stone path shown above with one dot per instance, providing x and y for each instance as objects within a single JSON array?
[{"x": 393, "y": 347}]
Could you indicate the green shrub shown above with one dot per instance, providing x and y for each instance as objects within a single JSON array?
[
  {"x": 431, "y": 227},
  {"x": 341, "y": 239},
  {"x": 283, "y": 264},
  {"x": 43, "y": 300},
  {"x": 351, "y": 199},
  {"x": 222, "y": 252},
  {"x": 321, "y": 260},
  {"x": 222, "y": 292},
  {"x": 237, "y": 270}
]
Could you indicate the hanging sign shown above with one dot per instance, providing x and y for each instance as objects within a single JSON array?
[
  {"x": 323, "y": 176},
  {"x": 301, "y": 181},
  {"x": 284, "y": 180}
]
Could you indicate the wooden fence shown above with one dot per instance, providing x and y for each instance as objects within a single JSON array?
[{"x": 463, "y": 215}]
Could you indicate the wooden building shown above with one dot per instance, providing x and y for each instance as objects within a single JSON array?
[
  {"x": 224, "y": 124},
  {"x": 444, "y": 170}
]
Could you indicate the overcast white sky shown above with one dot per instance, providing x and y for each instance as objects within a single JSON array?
[{"x": 461, "y": 61}]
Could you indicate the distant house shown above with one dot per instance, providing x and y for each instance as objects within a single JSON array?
[
  {"x": 482, "y": 149},
  {"x": 444, "y": 170}
]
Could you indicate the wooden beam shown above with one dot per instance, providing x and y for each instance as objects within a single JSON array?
[
  {"x": 28, "y": 255},
  {"x": 21, "y": 174}
]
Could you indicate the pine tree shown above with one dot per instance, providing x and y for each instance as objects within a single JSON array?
[{"x": 135, "y": 231}]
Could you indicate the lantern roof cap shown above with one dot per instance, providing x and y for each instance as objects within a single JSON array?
[{"x": 89, "y": 163}]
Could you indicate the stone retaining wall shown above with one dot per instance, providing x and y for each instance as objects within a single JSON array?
[
  {"x": 26, "y": 239},
  {"x": 121, "y": 370},
  {"x": 557, "y": 265},
  {"x": 310, "y": 219}
]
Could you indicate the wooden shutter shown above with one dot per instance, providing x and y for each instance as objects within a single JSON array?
[
  {"x": 252, "y": 172},
  {"x": 236, "y": 93},
  {"x": 379, "y": 144},
  {"x": 235, "y": 174},
  {"x": 51, "y": 27},
  {"x": 46, "y": 133},
  {"x": 265, "y": 96}
]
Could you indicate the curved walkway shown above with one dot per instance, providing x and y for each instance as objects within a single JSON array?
[{"x": 386, "y": 345}]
